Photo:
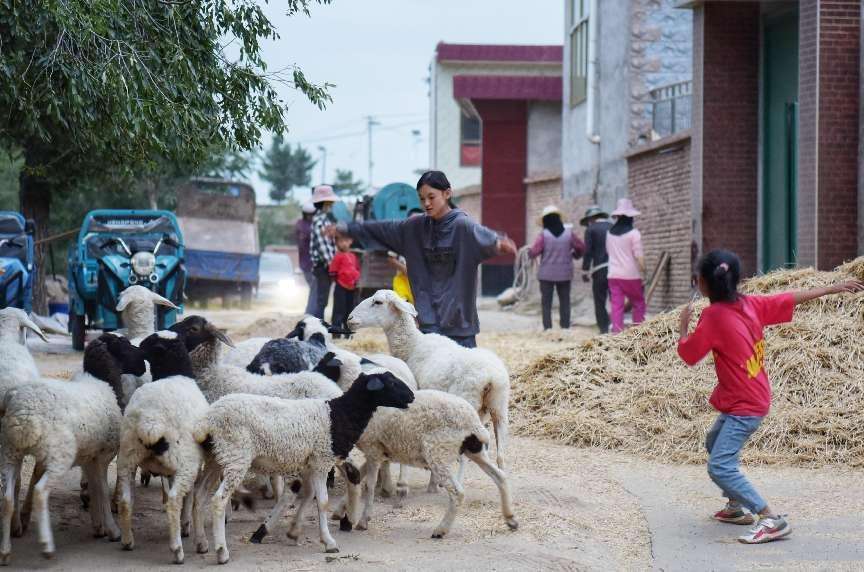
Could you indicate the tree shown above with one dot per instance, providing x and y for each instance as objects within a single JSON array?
[
  {"x": 100, "y": 88},
  {"x": 286, "y": 169},
  {"x": 345, "y": 185}
]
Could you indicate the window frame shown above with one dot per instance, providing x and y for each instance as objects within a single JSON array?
[
  {"x": 463, "y": 142},
  {"x": 578, "y": 36}
]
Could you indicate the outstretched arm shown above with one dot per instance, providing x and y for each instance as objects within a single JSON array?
[{"x": 851, "y": 286}]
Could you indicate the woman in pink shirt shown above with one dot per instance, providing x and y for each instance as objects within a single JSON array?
[{"x": 626, "y": 265}]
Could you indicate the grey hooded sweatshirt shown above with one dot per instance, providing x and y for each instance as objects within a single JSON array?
[{"x": 442, "y": 258}]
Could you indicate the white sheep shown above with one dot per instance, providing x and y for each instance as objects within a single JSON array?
[
  {"x": 62, "y": 424},
  {"x": 477, "y": 375},
  {"x": 17, "y": 366},
  {"x": 137, "y": 307},
  {"x": 433, "y": 432},
  {"x": 244, "y": 352},
  {"x": 156, "y": 435},
  {"x": 217, "y": 379},
  {"x": 278, "y": 436}
]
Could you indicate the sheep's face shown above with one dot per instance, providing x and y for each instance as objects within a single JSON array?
[
  {"x": 136, "y": 294},
  {"x": 13, "y": 321},
  {"x": 167, "y": 354},
  {"x": 196, "y": 330},
  {"x": 308, "y": 327},
  {"x": 330, "y": 367},
  {"x": 386, "y": 390},
  {"x": 380, "y": 310}
]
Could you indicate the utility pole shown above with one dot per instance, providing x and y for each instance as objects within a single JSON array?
[
  {"x": 370, "y": 123},
  {"x": 323, "y": 150}
]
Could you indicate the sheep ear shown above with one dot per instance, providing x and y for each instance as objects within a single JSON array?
[
  {"x": 403, "y": 306},
  {"x": 30, "y": 325},
  {"x": 220, "y": 335},
  {"x": 318, "y": 337},
  {"x": 374, "y": 384},
  {"x": 157, "y": 299},
  {"x": 295, "y": 333},
  {"x": 123, "y": 301}
]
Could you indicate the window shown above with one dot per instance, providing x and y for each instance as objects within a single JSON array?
[
  {"x": 578, "y": 50},
  {"x": 469, "y": 141}
]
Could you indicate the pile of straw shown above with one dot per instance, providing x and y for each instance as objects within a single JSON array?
[{"x": 632, "y": 392}]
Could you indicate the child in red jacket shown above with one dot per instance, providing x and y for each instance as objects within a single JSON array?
[
  {"x": 731, "y": 329},
  {"x": 345, "y": 270}
]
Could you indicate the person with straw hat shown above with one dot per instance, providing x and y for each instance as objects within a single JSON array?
[
  {"x": 626, "y": 265},
  {"x": 303, "y": 234},
  {"x": 557, "y": 246},
  {"x": 595, "y": 263},
  {"x": 322, "y": 247}
]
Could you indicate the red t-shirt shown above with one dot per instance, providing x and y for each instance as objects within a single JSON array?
[
  {"x": 346, "y": 268},
  {"x": 732, "y": 331}
]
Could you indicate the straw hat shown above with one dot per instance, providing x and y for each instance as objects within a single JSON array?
[
  {"x": 324, "y": 194},
  {"x": 308, "y": 208},
  {"x": 592, "y": 212},
  {"x": 625, "y": 208},
  {"x": 550, "y": 209}
]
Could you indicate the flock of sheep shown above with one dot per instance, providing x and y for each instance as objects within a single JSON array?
[{"x": 177, "y": 405}]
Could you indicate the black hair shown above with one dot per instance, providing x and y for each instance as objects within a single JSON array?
[
  {"x": 623, "y": 225},
  {"x": 721, "y": 271},
  {"x": 553, "y": 223},
  {"x": 436, "y": 180}
]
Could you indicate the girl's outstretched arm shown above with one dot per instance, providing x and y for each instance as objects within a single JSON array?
[{"x": 848, "y": 286}]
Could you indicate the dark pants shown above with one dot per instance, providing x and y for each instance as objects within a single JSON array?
[
  {"x": 563, "y": 288},
  {"x": 322, "y": 290},
  {"x": 600, "y": 288},
  {"x": 464, "y": 341},
  {"x": 343, "y": 303}
]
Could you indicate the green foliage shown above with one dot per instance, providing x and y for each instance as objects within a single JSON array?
[
  {"x": 276, "y": 222},
  {"x": 10, "y": 169},
  {"x": 346, "y": 186},
  {"x": 286, "y": 168}
]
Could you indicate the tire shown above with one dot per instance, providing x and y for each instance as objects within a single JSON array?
[{"x": 76, "y": 327}]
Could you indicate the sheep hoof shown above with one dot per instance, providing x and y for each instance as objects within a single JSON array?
[
  {"x": 48, "y": 554},
  {"x": 128, "y": 546},
  {"x": 438, "y": 533},
  {"x": 331, "y": 550},
  {"x": 512, "y": 524},
  {"x": 222, "y": 556},
  {"x": 345, "y": 524},
  {"x": 259, "y": 535},
  {"x": 178, "y": 555},
  {"x": 186, "y": 529},
  {"x": 202, "y": 547},
  {"x": 363, "y": 524},
  {"x": 5, "y": 559}
]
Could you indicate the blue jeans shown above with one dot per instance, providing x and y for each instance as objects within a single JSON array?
[
  {"x": 311, "y": 303},
  {"x": 724, "y": 443}
]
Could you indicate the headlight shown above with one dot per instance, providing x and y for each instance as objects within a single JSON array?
[
  {"x": 143, "y": 263},
  {"x": 286, "y": 284}
]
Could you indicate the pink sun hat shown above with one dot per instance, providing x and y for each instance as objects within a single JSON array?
[
  {"x": 323, "y": 194},
  {"x": 625, "y": 208}
]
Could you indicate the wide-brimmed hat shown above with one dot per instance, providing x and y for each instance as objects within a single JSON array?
[
  {"x": 550, "y": 209},
  {"x": 324, "y": 194},
  {"x": 592, "y": 212},
  {"x": 308, "y": 208},
  {"x": 625, "y": 208}
]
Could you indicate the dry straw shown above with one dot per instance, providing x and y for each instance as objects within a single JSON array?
[{"x": 632, "y": 392}]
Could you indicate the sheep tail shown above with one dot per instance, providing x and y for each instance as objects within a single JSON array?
[{"x": 201, "y": 432}]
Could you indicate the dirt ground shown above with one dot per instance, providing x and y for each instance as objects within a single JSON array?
[{"x": 578, "y": 509}]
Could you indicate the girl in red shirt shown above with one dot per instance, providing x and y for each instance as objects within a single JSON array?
[
  {"x": 345, "y": 270},
  {"x": 731, "y": 329}
]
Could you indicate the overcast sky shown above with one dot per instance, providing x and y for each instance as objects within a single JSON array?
[{"x": 377, "y": 52}]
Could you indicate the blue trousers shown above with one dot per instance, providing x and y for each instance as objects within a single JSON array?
[{"x": 724, "y": 443}]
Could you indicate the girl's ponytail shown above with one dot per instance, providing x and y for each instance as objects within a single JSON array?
[{"x": 721, "y": 271}]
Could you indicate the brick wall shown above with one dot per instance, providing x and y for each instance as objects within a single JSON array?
[
  {"x": 659, "y": 182},
  {"x": 730, "y": 129},
  {"x": 541, "y": 192},
  {"x": 808, "y": 100},
  {"x": 468, "y": 199},
  {"x": 839, "y": 77}
]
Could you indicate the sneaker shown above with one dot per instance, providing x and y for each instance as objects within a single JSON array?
[
  {"x": 766, "y": 530},
  {"x": 735, "y": 514}
]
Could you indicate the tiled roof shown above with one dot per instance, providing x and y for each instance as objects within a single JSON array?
[
  {"x": 498, "y": 53},
  {"x": 536, "y": 88}
]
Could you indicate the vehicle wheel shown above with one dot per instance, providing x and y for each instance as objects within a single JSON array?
[
  {"x": 76, "y": 326},
  {"x": 246, "y": 296}
]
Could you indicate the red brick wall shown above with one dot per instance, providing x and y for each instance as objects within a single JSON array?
[
  {"x": 730, "y": 128},
  {"x": 808, "y": 100},
  {"x": 839, "y": 76},
  {"x": 659, "y": 183}
]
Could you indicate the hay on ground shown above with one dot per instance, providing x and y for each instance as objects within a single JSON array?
[{"x": 632, "y": 392}]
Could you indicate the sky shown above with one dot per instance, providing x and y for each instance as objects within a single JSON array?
[{"x": 377, "y": 53}]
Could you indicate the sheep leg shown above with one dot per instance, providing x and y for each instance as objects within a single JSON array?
[
  {"x": 186, "y": 515},
  {"x": 371, "y": 478},
  {"x": 54, "y": 470},
  {"x": 175, "y": 505},
  {"x": 454, "y": 490},
  {"x": 501, "y": 423},
  {"x": 278, "y": 484},
  {"x": 433, "y": 484},
  {"x": 26, "y": 511},
  {"x": 500, "y": 479},
  {"x": 103, "y": 506},
  {"x": 460, "y": 474},
  {"x": 388, "y": 489},
  {"x": 306, "y": 494},
  {"x": 84, "y": 495},
  {"x": 319, "y": 483},
  {"x": 232, "y": 477},
  {"x": 401, "y": 485},
  {"x": 123, "y": 494},
  {"x": 204, "y": 489},
  {"x": 273, "y": 517},
  {"x": 11, "y": 470},
  {"x": 345, "y": 509},
  {"x": 17, "y": 528}
]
